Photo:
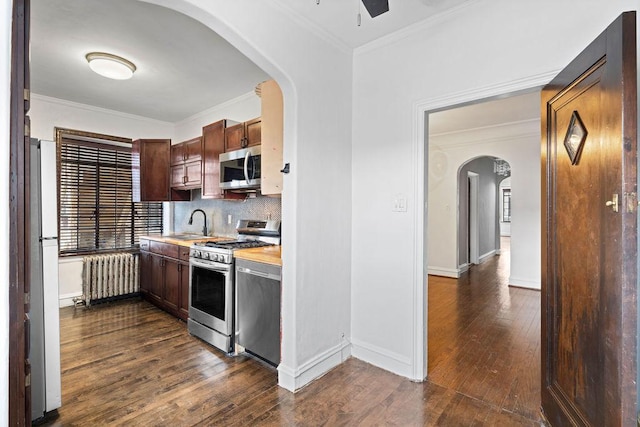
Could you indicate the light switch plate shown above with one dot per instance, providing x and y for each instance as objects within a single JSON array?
[{"x": 400, "y": 204}]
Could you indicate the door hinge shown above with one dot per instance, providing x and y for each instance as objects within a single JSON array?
[
  {"x": 27, "y": 127},
  {"x": 27, "y": 95},
  {"x": 27, "y": 380},
  {"x": 27, "y": 298}
]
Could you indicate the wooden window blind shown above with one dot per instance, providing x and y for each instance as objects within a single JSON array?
[{"x": 96, "y": 210}]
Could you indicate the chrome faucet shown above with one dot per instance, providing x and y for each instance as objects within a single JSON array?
[{"x": 204, "y": 228}]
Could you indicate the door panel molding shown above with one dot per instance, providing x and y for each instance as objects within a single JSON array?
[{"x": 589, "y": 251}]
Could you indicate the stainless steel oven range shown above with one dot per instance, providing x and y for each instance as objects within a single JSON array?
[{"x": 211, "y": 281}]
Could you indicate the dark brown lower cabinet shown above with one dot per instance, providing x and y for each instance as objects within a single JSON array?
[
  {"x": 164, "y": 277},
  {"x": 183, "y": 311}
]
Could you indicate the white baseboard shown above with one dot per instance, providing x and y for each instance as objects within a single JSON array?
[
  {"x": 524, "y": 283},
  {"x": 382, "y": 358},
  {"x": 445, "y": 272},
  {"x": 486, "y": 256},
  {"x": 66, "y": 300},
  {"x": 294, "y": 379}
]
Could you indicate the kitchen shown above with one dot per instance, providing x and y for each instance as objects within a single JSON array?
[{"x": 221, "y": 214}]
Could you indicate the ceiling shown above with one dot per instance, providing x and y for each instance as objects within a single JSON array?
[
  {"x": 338, "y": 18},
  {"x": 184, "y": 68},
  {"x": 516, "y": 108}
]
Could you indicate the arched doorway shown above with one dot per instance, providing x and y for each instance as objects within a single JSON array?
[{"x": 481, "y": 209}]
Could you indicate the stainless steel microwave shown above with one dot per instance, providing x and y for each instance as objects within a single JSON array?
[{"x": 240, "y": 170}]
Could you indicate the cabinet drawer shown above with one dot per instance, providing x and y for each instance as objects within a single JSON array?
[
  {"x": 166, "y": 249},
  {"x": 184, "y": 253},
  {"x": 144, "y": 245}
]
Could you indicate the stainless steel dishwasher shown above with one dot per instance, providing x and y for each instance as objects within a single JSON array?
[{"x": 258, "y": 309}]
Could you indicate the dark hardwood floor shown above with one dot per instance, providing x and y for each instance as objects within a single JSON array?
[
  {"x": 131, "y": 364},
  {"x": 484, "y": 337}
]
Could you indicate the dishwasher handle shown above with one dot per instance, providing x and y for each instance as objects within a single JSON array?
[{"x": 257, "y": 273}]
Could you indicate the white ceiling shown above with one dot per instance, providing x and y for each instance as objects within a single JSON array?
[
  {"x": 185, "y": 68},
  {"x": 484, "y": 114},
  {"x": 338, "y": 18}
]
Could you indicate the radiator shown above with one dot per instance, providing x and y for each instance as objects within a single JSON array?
[{"x": 111, "y": 275}]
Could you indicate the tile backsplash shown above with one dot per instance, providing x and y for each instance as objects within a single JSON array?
[{"x": 218, "y": 212}]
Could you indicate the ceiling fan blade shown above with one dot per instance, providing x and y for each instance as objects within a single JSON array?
[{"x": 376, "y": 7}]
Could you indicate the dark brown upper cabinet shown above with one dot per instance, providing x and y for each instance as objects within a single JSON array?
[
  {"x": 243, "y": 135},
  {"x": 150, "y": 172},
  {"x": 213, "y": 144},
  {"x": 186, "y": 164}
]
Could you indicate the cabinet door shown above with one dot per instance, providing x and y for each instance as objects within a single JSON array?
[
  {"x": 156, "y": 279},
  {"x": 177, "y": 154},
  {"x": 234, "y": 137},
  {"x": 145, "y": 272},
  {"x": 192, "y": 149},
  {"x": 171, "y": 291},
  {"x": 193, "y": 174},
  {"x": 212, "y": 147},
  {"x": 252, "y": 132},
  {"x": 183, "y": 311},
  {"x": 150, "y": 160},
  {"x": 177, "y": 176}
]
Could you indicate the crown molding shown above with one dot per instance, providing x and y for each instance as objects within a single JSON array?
[
  {"x": 499, "y": 126},
  {"x": 519, "y": 137},
  {"x": 94, "y": 109},
  {"x": 413, "y": 29}
]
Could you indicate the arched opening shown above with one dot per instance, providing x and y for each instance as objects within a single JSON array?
[{"x": 481, "y": 204}]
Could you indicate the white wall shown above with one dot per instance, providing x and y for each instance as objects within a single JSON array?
[
  {"x": 241, "y": 109},
  {"x": 487, "y": 48},
  {"x": 5, "y": 78},
  {"x": 316, "y": 79},
  {"x": 518, "y": 144},
  {"x": 47, "y": 113}
]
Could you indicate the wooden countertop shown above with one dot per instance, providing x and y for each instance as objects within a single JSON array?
[
  {"x": 266, "y": 254},
  {"x": 184, "y": 241}
]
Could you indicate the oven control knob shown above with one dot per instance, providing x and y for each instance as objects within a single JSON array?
[
  {"x": 195, "y": 254},
  {"x": 205, "y": 255}
]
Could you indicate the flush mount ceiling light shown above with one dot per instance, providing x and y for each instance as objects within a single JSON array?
[{"x": 110, "y": 66}]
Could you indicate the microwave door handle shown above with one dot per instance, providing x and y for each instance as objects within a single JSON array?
[{"x": 246, "y": 166}]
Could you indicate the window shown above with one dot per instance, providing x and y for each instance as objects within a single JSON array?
[
  {"x": 95, "y": 209},
  {"x": 506, "y": 205}
]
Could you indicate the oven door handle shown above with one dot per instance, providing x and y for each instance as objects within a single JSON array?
[{"x": 215, "y": 266}]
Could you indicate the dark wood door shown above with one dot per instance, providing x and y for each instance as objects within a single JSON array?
[
  {"x": 19, "y": 372},
  {"x": 589, "y": 232}
]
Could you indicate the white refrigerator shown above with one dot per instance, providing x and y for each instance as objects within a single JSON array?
[{"x": 44, "y": 355}]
